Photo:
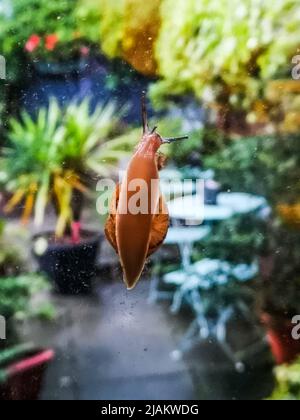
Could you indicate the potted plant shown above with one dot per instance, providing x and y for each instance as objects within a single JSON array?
[
  {"x": 45, "y": 34},
  {"x": 281, "y": 286},
  {"x": 11, "y": 257},
  {"x": 287, "y": 382},
  {"x": 22, "y": 369},
  {"x": 16, "y": 303},
  {"x": 17, "y": 285},
  {"x": 55, "y": 160},
  {"x": 281, "y": 293},
  {"x": 22, "y": 366},
  {"x": 51, "y": 55}
]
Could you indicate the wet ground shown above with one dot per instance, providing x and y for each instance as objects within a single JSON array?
[{"x": 114, "y": 345}]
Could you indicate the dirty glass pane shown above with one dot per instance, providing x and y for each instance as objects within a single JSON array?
[{"x": 149, "y": 202}]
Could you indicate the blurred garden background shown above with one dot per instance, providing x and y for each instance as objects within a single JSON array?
[{"x": 216, "y": 309}]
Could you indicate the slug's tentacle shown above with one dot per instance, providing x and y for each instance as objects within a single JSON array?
[
  {"x": 144, "y": 115},
  {"x": 173, "y": 139}
]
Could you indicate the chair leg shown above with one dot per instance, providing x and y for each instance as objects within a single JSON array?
[
  {"x": 177, "y": 302},
  {"x": 248, "y": 316},
  {"x": 201, "y": 318},
  {"x": 197, "y": 331},
  {"x": 187, "y": 341},
  {"x": 221, "y": 336},
  {"x": 153, "y": 292}
]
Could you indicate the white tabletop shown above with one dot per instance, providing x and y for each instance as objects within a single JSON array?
[
  {"x": 241, "y": 202},
  {"x": 186, "y": 234},
  {"x": 209, "y": 272},
  {"x": 192, "y": 209}
]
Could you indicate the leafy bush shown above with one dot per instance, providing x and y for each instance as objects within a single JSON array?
[
  {"x": 11, "y": 256},
  {"x": 16, "y": 288},
  {"x": 238, "y": 240},
  {"x": 126, "y": 29},
  {"x": 16, "y": 293},
  {"x": 281, "y": 292},
  {"x": 54, "y": 157},
  {"x": 288, "y": 382},
  {"x": 266, "y": 165},
  {"x": 27, "y": 27},
  {"x": 224, "y": 47}
]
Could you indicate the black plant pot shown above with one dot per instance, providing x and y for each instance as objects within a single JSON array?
[
  {"x": 60, "y": 69},
  {"x": 71, "y": 266}
]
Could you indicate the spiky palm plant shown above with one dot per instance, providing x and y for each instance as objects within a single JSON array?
[{"x": 53, "y": 157}]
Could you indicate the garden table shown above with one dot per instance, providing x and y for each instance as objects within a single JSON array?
[
  {"x": 205, "y": 277},
  {"x": 184, "y": 238},
  {"x": 192, "y": 210},
  {"x": 241, "y": 202},
  {"x": 192, "y": 280}
]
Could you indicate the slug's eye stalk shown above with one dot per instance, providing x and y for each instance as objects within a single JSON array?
[
  {"x": 144, "y": 114},
  {"x": 146, "y": 129},
  {"x": 173, "y": 139}
]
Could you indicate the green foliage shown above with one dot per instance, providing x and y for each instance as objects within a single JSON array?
[
  {"x": 202, "y": 142},
  {"x": 242, "y": 165},
  {"x": 288, "y": 382},
  {"x": 266, "y": 165},
  {"x": 169, "y": 127},
  {"x": 126, "y": 29},
  {"x": 16, "y": 293},
  {"x": 56, "y": 155},
  {"x": 188, "y": 150},
  {"x": 238, "y": 240},
  {"x": 206, "y": 45},
  {"x": 281, "y": 293},
  {"x": 39, "y": 17},
  {"x": 11, "y": 257},
  {"x": 112, "y": 27},
  {"x": 103, "y": 22},
  {"x": 88, "y": 15},
  {"x": 17, "y": 288}
]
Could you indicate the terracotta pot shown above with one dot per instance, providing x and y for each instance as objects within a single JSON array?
[
  {"x": 279, "y": 333},
  {"x": 266, "y": 266},
  {"x": 22, "y": 373}
]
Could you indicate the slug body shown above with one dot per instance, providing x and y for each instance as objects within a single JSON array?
[
  {"x": 133, "y": 229},
  {"x": 138, "y": 222}
]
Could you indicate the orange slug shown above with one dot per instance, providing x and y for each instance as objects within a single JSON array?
[{"x": 138, "y": 222}]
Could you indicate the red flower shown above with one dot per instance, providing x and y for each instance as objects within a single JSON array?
[
  {"x": 51, "y": 41},
  {"x": 32, "y": 43},
  {"x": 84, "y": 51}
]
